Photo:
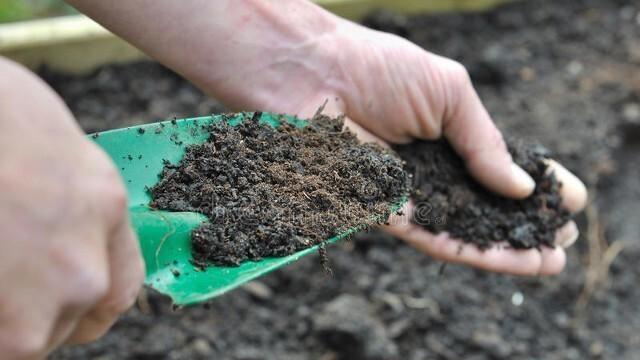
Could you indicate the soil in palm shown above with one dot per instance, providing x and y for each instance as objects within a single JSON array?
[{"x": 447, "y": 198}]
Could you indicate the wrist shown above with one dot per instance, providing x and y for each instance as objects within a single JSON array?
[
  {"x": 269, "y": 45},
  {"x": 241, "y": 52}
]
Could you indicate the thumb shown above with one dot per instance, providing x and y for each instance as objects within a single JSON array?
[{"x": 470, "y": 130}]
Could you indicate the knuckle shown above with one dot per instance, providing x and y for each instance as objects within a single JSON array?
[
  {"x": 94, "y": 283},
  {"x": 109, "y": 173},
  {"x": 102, "y": 188},
  {"x": 118, "y": 199},
  {"x": 459, "y": 73},
  {"x": 120, "y": 301},
  {"x": 87, "y": 282},
  {"x": 106, "y": 175},
  {"x": 118, "y": 304},
  {"x": 114, "y": 200},
  {"x": 455, "y": 85}
]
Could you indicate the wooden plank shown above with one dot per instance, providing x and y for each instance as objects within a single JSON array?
[
  {"x": 357, "y": 9},
  {"x": 74, "y": 44}
]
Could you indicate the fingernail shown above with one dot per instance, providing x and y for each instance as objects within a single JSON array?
[
  {"x": 525, "y": 182},
  {"x": 574, "y": 193},
  {"x": 571, "y": 234}
]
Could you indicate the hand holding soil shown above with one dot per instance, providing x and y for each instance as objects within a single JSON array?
[
  {"x": 456, "y": 219},
  {"x": 392, "y": 90},
  {"x": 427, "y": 97},
  {"x": 418, "y": 95}
]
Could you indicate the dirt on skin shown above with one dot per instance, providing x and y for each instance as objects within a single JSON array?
[
  {"x": 447, "y": 198},
  {"x": 274, "y": 191}
]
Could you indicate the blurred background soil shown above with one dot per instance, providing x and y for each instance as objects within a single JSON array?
[{"x": 563, "y": 72}]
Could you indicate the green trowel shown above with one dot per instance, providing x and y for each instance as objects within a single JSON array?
[{"x": 165, "y": 237}]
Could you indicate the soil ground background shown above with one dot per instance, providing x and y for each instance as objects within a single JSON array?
[{"x": 564, "y": 72}]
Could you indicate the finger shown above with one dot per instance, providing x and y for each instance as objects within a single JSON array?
[
  {"x": 470, "y": 130},
  {"x": 553, "y": 260},
  {"x": 567, "y": 235},
  {"x": 573, "y": 191},
  {"x": 65, "y": 326},
  {"x": 27, "y": 337},
  {"x": 26, "y": 324},
  {"x": 500, "y": 258},
  {"x": 126, "y": 270},
  {"x": 82, "y": 296}
]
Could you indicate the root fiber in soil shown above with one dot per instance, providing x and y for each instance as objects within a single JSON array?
[
  {"x": 447, "y": 198},
  {"x": 274, "y": 191}
]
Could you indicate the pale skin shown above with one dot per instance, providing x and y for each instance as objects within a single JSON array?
[{"x": 69, "y": 253}]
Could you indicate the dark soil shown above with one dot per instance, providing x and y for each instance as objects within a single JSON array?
[
  {"x": 447, "y": 198},
  {"x": 564, "y": 72},
  {"x": 274, "y": 191}
]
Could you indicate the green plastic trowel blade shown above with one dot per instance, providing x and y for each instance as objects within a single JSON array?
[{"x": 140, "y": 154}]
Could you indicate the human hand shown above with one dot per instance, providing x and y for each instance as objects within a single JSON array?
[
  {"x": 69, "y": 261},
  {"x": 428, "y": 96},
  {"x": 395, "y": 91},
  {"x": 290, "y": 56}
]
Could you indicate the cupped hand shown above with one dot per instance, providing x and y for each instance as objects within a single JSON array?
[
  {"x": 69, "y": 261},
  {"x": 501, "y": 257},
  {"x": 393, "y": 91}
]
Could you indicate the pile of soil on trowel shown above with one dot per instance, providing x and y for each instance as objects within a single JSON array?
[
  {"x": 447, "y": 198},
  {"x": 274, "y": 191}
]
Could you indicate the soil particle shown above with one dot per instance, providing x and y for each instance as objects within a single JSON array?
[
  {"x": 160, "y": 341},
  {"x": 348, "y": 326},
  {"x": 489, "y": 339},
  {"x": 274, "y": 191},
  {"x": 447, "y": 198}
]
